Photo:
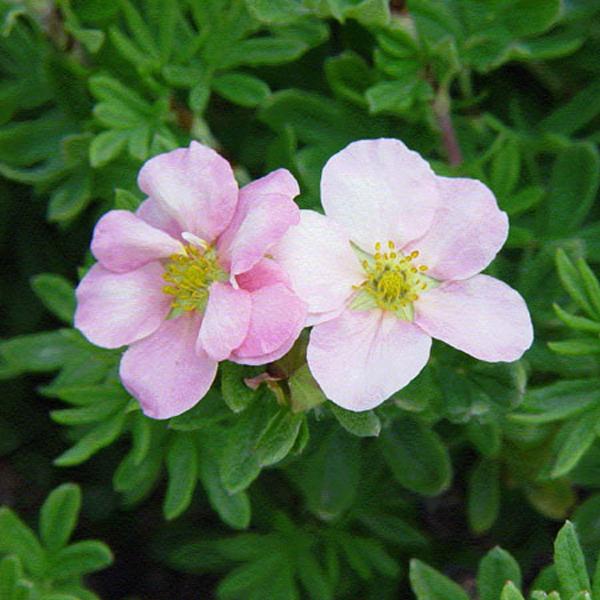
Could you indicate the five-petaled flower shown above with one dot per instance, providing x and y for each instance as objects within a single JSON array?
[
  {"x": 394, "y": 262},
  {"x": 186, "y": 281}
]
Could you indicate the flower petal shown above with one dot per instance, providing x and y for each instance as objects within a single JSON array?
[
  {"x": 481, "y": 316},
  {"x": 467, "y": 231},
  {"x": 195, "y": 186},
  {"x": 123, "y": 242},
  {"x": 154, "y": 215},
  {"x": 115, "y": 309},
  {"x": 320, "y": 262},
  {"x": 226, "y": 320},
  {"x": 277, "y": 318},
  {"x": 165, "y": 372},
  {"x": 362, "y": 357},
  {"x": 265, "y": 211},
  {"x": 379, "y": 190},
  {"x": 263, "y": 273}
]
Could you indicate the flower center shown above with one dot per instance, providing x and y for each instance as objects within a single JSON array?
[
  {"x": 392, "y": 281},
  {"x": 190, "y": 275}
]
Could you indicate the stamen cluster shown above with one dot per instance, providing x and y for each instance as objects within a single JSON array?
[
  {"x": 393, "y": 281},
  {"x": 190, "y": 275}
]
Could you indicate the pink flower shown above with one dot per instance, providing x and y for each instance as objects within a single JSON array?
[
  {"x": 187, "y": 282},
  {"x": 395, "y": 262}
]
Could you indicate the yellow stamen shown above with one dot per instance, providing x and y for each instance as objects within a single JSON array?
[
  {"x": 392, "y": 281},
  {"x": 190, "y": 275}
]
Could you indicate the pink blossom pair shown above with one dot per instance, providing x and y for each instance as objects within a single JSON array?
[{"x": 204, "y": 272}]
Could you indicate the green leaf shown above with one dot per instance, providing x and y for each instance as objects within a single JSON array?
[
  {"x": 236, "y": 393},
  {"x": 56, "y": 293},
  {"x": 126, "y": 200},
  {"x": 141, "y": 436},
  {"x": 79, "y": 559},
  {"x": 583, "y": 595},
  {"x": 572, "y": 189},
  {"x": 574, "y": 440},
  {"x": 71, "y": 197},
  {"x": 262, "y": 51},
  {"x": 239, "y": 464},
  {"x": 393, "y": 529},
  {"x": 367, "y": 12},
  {"x": 305, "y": 392},
  {"x": 429, "y": 584},
  {"x": 234, "y": 509},
  {"x": 25, "y": 590},
  {"x": 329, "y": 477},
  {"x": 111, "y": 90},
  {"x": 519, "y": 202},
  {"x": 596, "y": 580},
  {"x": 416, "y": 457},
  {"x": 575, "y": 322},
  {"x": 10, "y": 573},
  {"x": 496, "y": 569},
  {"x": 58, "y": 516},
  {"x": 141, "y": 32},
  {"x": 506, "y": 167},
  {"x": 575, "y": 114},
  {"x": 313, "y": 578},
  {"x": 511, "y": 592},
  {"x": 590, "y": 283},
  {"x": 38, "y": 352},
  {"x": 269, "y": 576},
  {"x": 199, "y": 96},
  {"x": 399, "y": 96},
  {"x": 558, "y": 401},
  {"x": 524, "y": 17},
  {"x": 349, "y": 76},
  {"x": 106, "y": 146},
  {"x": 182, "y": 467},
  {"x": 242, "y": 89},
  {"x": 572, "y": 282},
  {"x": 580, "y": 347},
  {"x": 97, "y": 438},
  {"x": 276, "y": 11},
  {"x": 279, "y": 437},
  {"x": 570, "y": 562},
  {"x": 362, "y": 424},
  {"x": 135, "y": 480},
  {"x": 88, "y": 395},
  {"x": 17, "y": 538},
  {"x": 89, "y": 413},
  {"x": 316, "y": 119},
  {"x": 484, "y": 496}
]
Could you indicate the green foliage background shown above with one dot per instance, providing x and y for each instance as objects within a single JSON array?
[{"x": 277, "y": 493}]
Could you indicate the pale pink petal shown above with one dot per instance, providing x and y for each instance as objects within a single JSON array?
[
  {"x": 123, "y": 242},
  {"x": 467, "y": 231},
  {"x": 195, "y": 186},
  {"x": 379, "y": 190},
  {"x": 270, "y": 357},
  {"x": 318, "y": 257},
  {"x": 164, "y": 372},
  {"x": 280, "y": 181},
  {"x": 481, "y": 316},
  {"x": 322, "y": 317},
  {"x": 226, "y": 320},
  {"x": 277, "y": 316},
  {"x": 154, "y": 215},
  {"x": 115, "y": 309},
  {"x": 362, "y": 357},
  {"x": 263, "y": 273},
  {"x": 265, "y": 211}
]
